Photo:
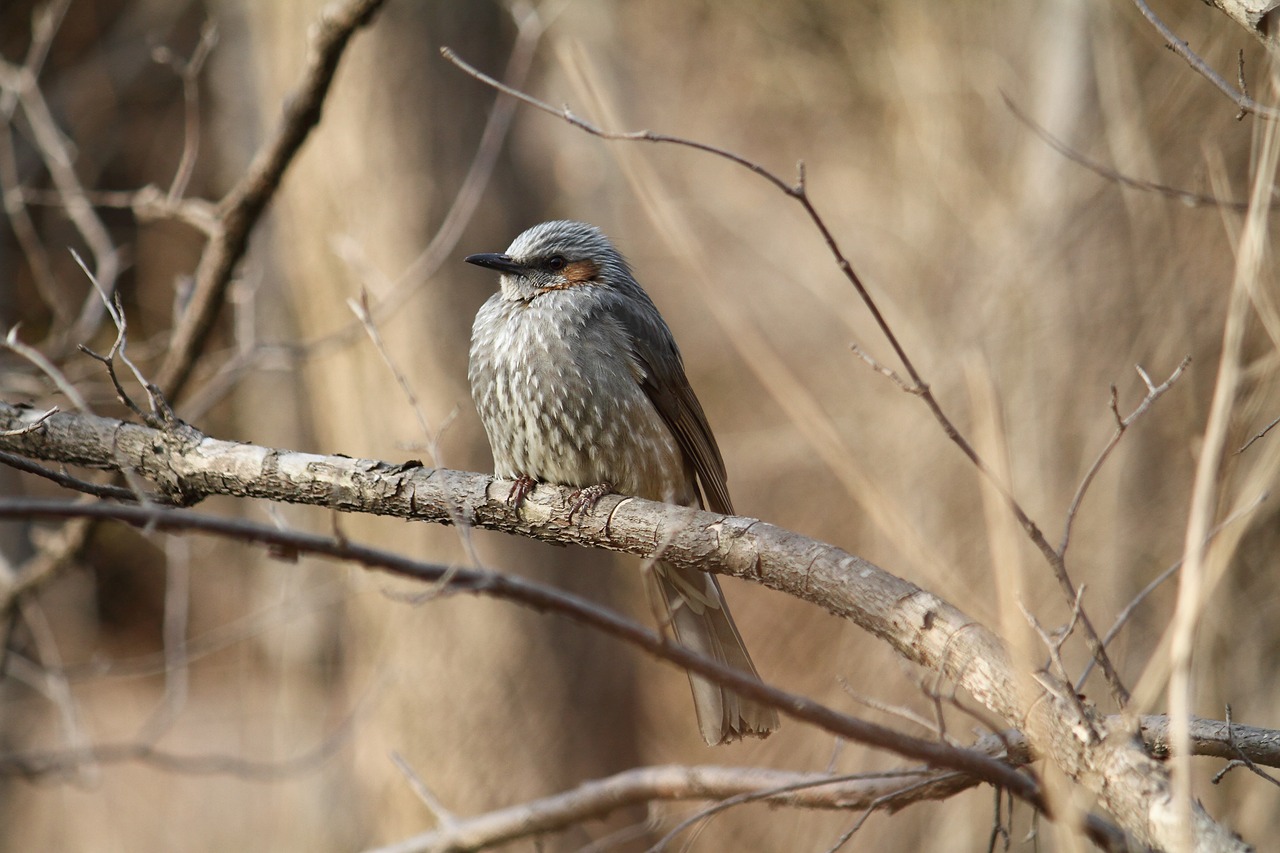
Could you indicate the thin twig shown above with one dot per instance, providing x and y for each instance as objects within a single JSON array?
[
  {"x": 1265, "y": 430},
  {"x": 188, "y": 72},
  {"x": 900, "y": 711},
  {"x": 770, "y": 793},
  {"x": 98, "y": 490},
  {"x": 1154, "y": 392},
  {"x": 443, "y": 816},
  {"x": 31, "y": 427},
  {"x": 1053, "y": 641},
  {"x": 1123, "y": 617},
  {"x": 159, "y": 414},
  {"x": 530, "y": 25},
  {"x": 1241, "y": 760},
  {"x": 36, "y": 765},
  {"x": 46, "y": 367},
  {"x": 56, "y": 154},
  {"x": 360, "y": 308},
  {"x": 24, "y": 230},
  {"x": 1187, "y": 197},
  {"x": 883, "y": 370},
  {"x": 1180, "y": 47},
  {"x": 54, "y": 685},
  {"x": 44, "y": 26}
]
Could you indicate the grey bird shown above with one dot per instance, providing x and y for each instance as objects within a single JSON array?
[{"x": 579, "y": 382}]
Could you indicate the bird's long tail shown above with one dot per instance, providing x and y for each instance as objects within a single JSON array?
[{"x": 699, "y": 616}]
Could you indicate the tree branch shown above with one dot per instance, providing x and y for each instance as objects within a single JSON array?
[
  {"x": 238, "y": 212},
  {"x": 187, "y": 465}
]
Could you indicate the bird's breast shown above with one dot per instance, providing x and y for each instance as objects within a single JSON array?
[{"x": 559, "y": 396}]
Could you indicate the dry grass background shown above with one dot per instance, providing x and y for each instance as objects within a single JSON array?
[{"x": 1023, "y": 285}]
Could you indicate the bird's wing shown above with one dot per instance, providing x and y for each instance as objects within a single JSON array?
[{"x": 661, "y": 375}]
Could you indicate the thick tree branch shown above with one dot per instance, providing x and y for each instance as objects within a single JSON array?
[{"x": 186, "y": 465}]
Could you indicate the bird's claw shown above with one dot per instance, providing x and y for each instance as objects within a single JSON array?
[
  {"x": 519, "y": 491},
  {"x": 585, "y": 499}
]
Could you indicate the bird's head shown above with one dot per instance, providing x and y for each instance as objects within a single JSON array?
[{"x": 556, "y": 256}]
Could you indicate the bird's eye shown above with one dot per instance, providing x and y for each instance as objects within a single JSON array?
[{"x": 556, "y": 263}]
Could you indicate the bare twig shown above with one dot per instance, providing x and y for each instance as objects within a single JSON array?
[
  {"x": 98, "y": 490},
  {"x": 1186, "y": 197},
  {"x": 58, "y": 159},
  {"x": 887, "y": 799},
  {"x": 598, "y": 797},
  {"x": 1123, "y": 617},
  {"x": 53, "y": 684},
  {"x": 1250, "y": 442},
  {"x": 529, "y": 30},
  {"x": 1242, "y": 760},
  {"x": 31, "y": 427},
  {"x": 24, "y": 230},
  {"x": 159, "y": 414},
  {"x": 188, "y": 72},
  {"x": 1053, "y": 641},
  {"x": 44, "y": 27},
  {"x": 46, "y": 367},
  {"x": 146, "y": 203},
  {"x": 900, "y": 711},
  {"x": 42, "y": 764},
  {"x": 443, "y": 816},
  {"x": 1241, "y": 99},
  {"x": 885, "y": 371},
  {"x": 360, "y": 307},
  {"x": 1154, "y": 392}
]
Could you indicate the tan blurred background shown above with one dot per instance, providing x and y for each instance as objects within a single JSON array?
[{"x": 1009, "y": 273}]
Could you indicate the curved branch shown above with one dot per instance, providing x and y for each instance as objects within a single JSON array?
[{"x": 187, "y": 465}]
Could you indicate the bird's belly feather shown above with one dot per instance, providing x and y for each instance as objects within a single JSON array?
[{"x": 562, "y": 405}]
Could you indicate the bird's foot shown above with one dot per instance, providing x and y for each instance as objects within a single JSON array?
[
  {"x": 585, "y": 499},
  {"x": 519, "y": 491}
]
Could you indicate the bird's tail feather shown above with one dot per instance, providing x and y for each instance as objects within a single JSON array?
[{"x": 699, "y": 616}]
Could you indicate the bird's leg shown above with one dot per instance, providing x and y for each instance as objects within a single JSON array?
[
  {"x": 520, "y": 490},
  {"x": 585, "y": 499}
]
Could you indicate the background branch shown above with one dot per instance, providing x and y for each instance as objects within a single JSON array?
[{"x": 239, "y": 210}]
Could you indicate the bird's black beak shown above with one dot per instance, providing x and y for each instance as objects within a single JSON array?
[{"x": 501, "y": 263}]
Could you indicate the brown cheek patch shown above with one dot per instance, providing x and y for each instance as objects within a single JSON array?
[
  {"x": 576, "y": 273},
  {"x": 580, "y": 271}
]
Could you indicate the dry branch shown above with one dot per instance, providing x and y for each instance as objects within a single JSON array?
[
  {"x": 185, "y": 465},
  {"x": 599, "y": 797},
  {"x": 240, "y": 210}
]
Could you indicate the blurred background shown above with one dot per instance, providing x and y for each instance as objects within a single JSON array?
[{"x": 1023, "y": 285}]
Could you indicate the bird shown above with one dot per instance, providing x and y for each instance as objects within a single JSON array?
[{"x": 579, "y": 382}]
